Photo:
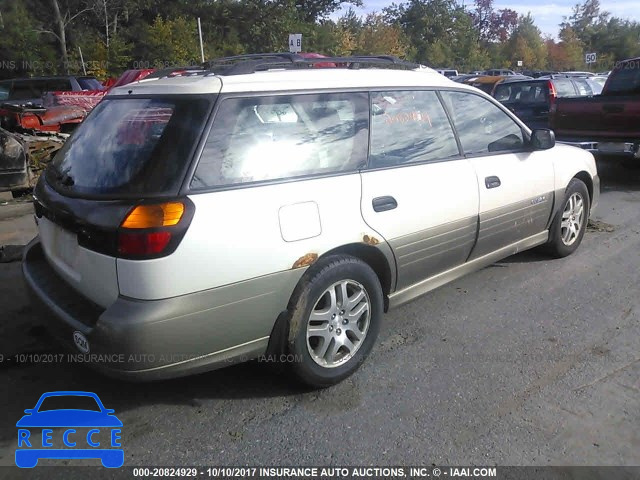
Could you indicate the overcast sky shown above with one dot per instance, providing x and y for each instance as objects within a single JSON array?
[{"x": 547, "y": 15}]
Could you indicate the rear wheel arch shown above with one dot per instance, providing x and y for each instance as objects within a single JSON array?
[
  {"x": 375, "y": 258},
  {"x": 588, "y": 181}
]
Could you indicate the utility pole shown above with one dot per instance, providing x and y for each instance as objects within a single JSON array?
[{"x": 200, "y": 35}]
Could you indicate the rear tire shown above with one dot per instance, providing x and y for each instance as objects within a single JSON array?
[
  {"x": 570, "y": 222},
  {"x": 336, "y": 312}
]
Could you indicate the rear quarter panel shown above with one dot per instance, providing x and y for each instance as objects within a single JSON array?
[
  {"x": 570, "y": 161},
  {"x": 244, "y": 233}
]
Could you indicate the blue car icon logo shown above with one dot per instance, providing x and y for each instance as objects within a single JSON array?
[{"x": 91, "y": 431}]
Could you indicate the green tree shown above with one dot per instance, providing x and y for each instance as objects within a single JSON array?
[
  {"x": 526, "y": 45},
  {"x": 439, "y": 31},
  {"x": 172, "y": 42},
  {"x": 22, "y": 50},
  {"x": 378, "y": 37}
]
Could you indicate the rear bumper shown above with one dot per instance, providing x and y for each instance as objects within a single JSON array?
[
  {"x": 596, "y": 194},
  {"x": 156, "y": 339},
  {"x": 613, "y": 147}
]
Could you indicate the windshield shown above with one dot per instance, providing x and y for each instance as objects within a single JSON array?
[{"x": 131, "y": 146}]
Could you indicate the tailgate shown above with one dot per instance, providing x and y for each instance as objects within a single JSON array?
[
  {"x": 598, "y": 117},
  {"x": 577, "y": 116},
  {"x": 90, "y": 273}
]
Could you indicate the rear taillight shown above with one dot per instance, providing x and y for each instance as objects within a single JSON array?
[
  {"x": 553, "y": 96},
  {"x": 153, "y": 230},
  {"x": 150, "y": 243}
]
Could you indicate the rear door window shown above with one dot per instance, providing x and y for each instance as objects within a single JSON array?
[
  {"x": 259, "y": 139},
  {"x": 131, "y": 146},
  {"x": 409, "y": 127},
  {"x": 482, "y": 126}
]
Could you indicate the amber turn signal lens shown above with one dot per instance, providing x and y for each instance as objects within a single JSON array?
[{"x": 153, "y": 216}]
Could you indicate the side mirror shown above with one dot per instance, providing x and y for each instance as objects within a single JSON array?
[
  {"x": 542, "y": 139},
  {"x": 29, "y": 411}
]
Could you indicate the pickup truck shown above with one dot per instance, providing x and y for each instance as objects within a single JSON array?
[{"x": 608, "y": 123}]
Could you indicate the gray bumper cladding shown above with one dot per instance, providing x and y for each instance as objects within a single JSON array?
[{"x": 155, "y": 339}]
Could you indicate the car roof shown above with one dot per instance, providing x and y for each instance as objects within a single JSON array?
[{"x": 286, "y": 80}]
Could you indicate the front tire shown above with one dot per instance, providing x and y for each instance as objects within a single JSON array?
[
  {"x": 335, "y": 319},
  {"x": 570, "y": 223}
]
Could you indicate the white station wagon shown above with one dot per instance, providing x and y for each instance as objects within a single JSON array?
[{"x": 260, "y": 206}]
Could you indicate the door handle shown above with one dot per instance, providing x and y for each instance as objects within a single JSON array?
[
  {"x": 492, "y": 182},
  {"x": 382, "y": 204}
]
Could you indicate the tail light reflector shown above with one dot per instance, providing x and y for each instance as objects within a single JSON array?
[
  {"x": 553, "y": 96},
  {"x": 154, "y": 216},
  {"x": 150, "y": 243}
]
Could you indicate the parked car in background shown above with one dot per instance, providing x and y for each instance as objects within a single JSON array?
[
  {"x": 20, "y": 91},
  {"x": 89, "y": 98},
  {"x": 531, "y": 100},
  {"x": 447, "y": 72},
  {"x": 578, "y": 74},
  {"x": 537, "y": 73},
  {"x": 463, "y": 77},
  {"x": 608, "y": 123},
  {"x": 499, "y": 72},
  {"x": 486, "y": 83},
  {"x": 435, "y": 180}
]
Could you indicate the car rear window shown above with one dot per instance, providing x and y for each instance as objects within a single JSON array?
[
  {"x": 625, "y": 80},
  {"x": 131, "y": 146},
  {"x": 259, "y": 139},
  {"x": 522, "y": 92}
]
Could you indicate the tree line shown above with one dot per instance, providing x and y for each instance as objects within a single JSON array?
[{"x": 52, "y": 36}]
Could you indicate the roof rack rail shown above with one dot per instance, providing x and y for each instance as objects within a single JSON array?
[
  {"x": 176, "y": 71},
  {"x": 251, "y": 63}
]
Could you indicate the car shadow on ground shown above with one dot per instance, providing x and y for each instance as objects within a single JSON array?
[{"x": 617, "y": 174}]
